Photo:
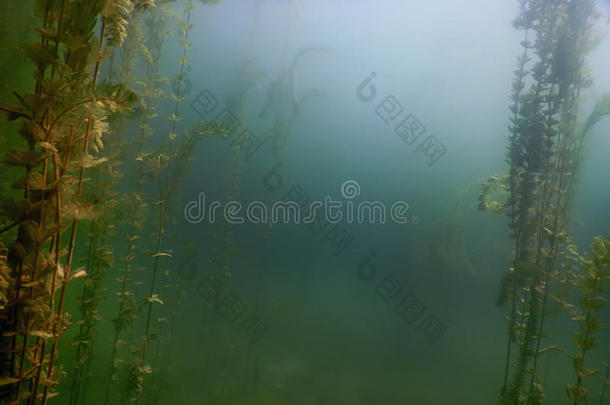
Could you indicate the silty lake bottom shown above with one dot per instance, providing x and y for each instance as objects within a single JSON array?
[{"x": 304, "y": 202}]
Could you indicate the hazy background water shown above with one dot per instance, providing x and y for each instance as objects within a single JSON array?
[{"x": 331, "y": 338}]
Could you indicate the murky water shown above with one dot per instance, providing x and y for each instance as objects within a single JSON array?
[{"x": 304, "y": 202}]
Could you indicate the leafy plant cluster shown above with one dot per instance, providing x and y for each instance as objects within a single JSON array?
[
  {"x": 545, "y": 148},
  {"x": 62, "y": 218}
]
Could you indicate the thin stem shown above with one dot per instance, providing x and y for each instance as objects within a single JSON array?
[{"x": 66, "y": 275}]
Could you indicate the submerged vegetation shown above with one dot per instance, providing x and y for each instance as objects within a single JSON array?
[
  {"x": 66, "y": 155},
  {"x": 93, "y": 170},
  {"x": 545, "y": 147}
]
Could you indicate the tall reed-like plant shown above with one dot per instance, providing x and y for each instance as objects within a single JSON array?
[
  {"x": 64, "y": 122},
  {"x": 545, "y": 146}
]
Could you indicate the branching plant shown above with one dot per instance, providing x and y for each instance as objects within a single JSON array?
[
  {"x": 544, "y": 151},
  {"x": 594, "y": 284},
  {"x": 64, "y": 121}
]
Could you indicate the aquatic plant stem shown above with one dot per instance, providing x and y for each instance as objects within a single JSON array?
[
  {"x": 34, "y": 271},
  {"x": 188, "y": 9},
  {"x": 56, "y": 243},
  {"x": 31, "y": 146},
  {"x": 76, "y": 378},
  {"x": 513, "y": 297},
  {"x": 100, "y": 52},
  {"x": 126, "y": 67},
  {"x": 34, "y": 383},
  {"x": 66, "y": 275},
  {"x": 163, "y": 180},
  {"x": 605, "y": 383},
  {"x": 156, "y": 26}
]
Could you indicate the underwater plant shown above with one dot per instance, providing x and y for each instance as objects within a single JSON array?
[
  {"x": 64, "y": 119},
  {"x": 605, "y": 383},
  {"x": 545, "y": 145},
  {"x": 594, "y": 283},
  {"x": 150, "y": 47},
  {"x": 183, "y": 159},
  {"x": 100, "y": 252},
  {"x": 159, "y": 167},
  {"x": 283, "y": 102},
  {"x": 99, "y": 260},
  {"x": 133, "y": 207}
]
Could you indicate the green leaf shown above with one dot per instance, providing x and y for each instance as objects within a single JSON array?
[
  {"x": 40, "y": 54},
  {"x": 25, "y": 158},
  {"x": 7, "y": 381}
]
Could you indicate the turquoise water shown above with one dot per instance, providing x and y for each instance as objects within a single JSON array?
[{"x": 394, "y": 114}]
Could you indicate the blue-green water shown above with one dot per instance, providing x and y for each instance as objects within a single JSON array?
[{"x": 395, "y": 112}]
